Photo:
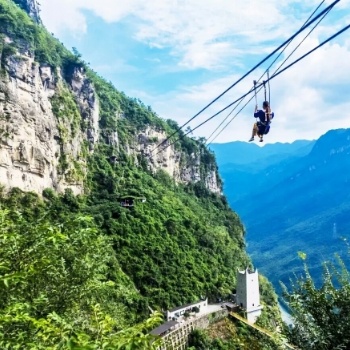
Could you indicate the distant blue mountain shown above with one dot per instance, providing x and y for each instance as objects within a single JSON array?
[
  {"x": 246, "y": 153},
  {"x": 241, "y": 162},
  {"x": 301, "y": 203}
]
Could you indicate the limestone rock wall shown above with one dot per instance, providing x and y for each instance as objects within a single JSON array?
[
  {"x": 182, "y": 168},
  {"x": 49, "y": 124},
  {"x": 212, "y": 183},
  {"x": 31, "y": 7},
  {"x": 88, "y": 104},
  {"x": 31, "y": 146}
]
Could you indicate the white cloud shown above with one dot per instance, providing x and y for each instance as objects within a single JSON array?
[
  {"x": 200, "y": 33},
  {"x": 308, "y": 99},
  {"x": 61, "y": 15},
  {"x": 221, "y": 34}
]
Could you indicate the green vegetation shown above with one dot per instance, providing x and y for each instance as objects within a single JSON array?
[
  {"x": 60, "y": 282},
  {"x": 130, "y": 113},
  {"x": 226, "y": 335},
  {"x": 16, "y": 24},
  {"x": 321, "y": 313},
  {"x": 67, "y": 112},
  {"x": 178, "y": 245},
  {"x": 129, "y": 116},
  {"x": 69, "y": 122},
  {"x": 183, "y": 242},
  {"x": 6, "y": 50},
  {"x": 78, "y": 272},
  {"x": 270, "y": 317}
]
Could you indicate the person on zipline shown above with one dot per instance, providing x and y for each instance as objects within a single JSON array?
[{"x": 262, "y": 126}]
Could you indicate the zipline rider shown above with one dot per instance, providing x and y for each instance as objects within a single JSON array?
[{"x": 262, "y": 126}]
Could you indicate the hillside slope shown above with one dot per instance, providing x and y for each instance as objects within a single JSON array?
[{"x": 103, "y": 226}]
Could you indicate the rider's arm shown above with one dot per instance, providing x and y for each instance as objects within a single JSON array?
[{"x": 268, "y": 115}]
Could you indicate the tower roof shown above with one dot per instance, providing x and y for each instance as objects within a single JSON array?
[{"x": 248, "y": 271}]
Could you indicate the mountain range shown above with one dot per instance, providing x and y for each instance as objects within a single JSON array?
[{"x": 291, "y": 197}]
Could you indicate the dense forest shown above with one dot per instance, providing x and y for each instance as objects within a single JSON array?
[
  {"x": 79, "y": 271},
  {"x": 85, "y": 272}
]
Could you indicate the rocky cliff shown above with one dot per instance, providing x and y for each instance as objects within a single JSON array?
[
  {"x": 42, "y": 145},
  {"x": 104, "y": 258},
  {"x": 31, "y": 7},
  {"x": 51, "y": 120},
  {"x": 183, "y": 168}
]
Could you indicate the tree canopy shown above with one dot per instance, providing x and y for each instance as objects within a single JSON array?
[{"x": 321, "y": 313}]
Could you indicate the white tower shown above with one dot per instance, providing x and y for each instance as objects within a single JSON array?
[{"x": 248, "y": 294}]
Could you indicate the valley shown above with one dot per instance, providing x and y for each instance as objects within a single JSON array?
[{"x": 299, "y": 202}]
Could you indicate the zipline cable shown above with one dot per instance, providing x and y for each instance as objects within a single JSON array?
[
  {"x": 256, "y": 103},
  {"x": 313, "y": 28},
  {"x": 250, "y": 71},
  {"x": 341, "y": 31},
  {"x": 283, "y": 70},
  {"x": 262, "y": 75},
  {"x": 272, "y": 77},
  {"x": 268, "y": 85},
  {"x": 279, "y": 67}
]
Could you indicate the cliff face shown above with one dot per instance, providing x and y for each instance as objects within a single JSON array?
[
  {"x": 49, "y": 125},
  {"x": 31, "y": 7},
  {"x": 31, "y": 147},
  {"x": 183, "y": 168},
  {"x": 50, "y": 121},
  {"x": 62, "y": 126}
]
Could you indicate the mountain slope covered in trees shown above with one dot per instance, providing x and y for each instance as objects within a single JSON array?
[
  {"x": 298, "y": 204},
  {"x": 77, "y": 269}
]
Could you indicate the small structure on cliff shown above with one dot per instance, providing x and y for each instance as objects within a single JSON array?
[
  {"x": 248, "y": 294},
  {"x": 130, "y": 201},
  {"x": 177, "y": 328},
  {"x": 176, "y": 313}
]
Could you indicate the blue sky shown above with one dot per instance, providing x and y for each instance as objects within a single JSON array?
[{"x": 177, "y": 55}]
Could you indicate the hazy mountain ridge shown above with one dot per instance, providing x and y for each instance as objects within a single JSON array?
[
  {"x": 247, "y": 153},
  {"x": 241, "y": 179},
  {"x": 293, "y": 205}
]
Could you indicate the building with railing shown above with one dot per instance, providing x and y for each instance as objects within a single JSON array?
[
  {"x": 182, "y": 320},
  {"x": 178, "y": 312},
  {"x": 175, "y": 334}
]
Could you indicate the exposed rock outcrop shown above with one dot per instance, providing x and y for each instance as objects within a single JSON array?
[
  {"x": 31, "y": 7},
  {"x": 31, "y": 147},
  {"x": 88, "y": 104},
  {"x": 49, "y": 124},
  {"x": 44, "y": 122},
  {"x": 182, "y": 168}
]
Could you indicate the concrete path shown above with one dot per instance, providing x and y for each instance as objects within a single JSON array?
[{"x": 211, "y": 308}]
